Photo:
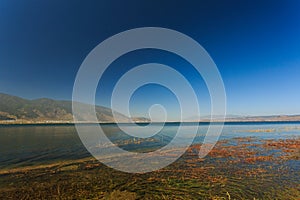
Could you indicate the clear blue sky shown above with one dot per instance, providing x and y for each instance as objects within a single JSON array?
[{"x": 255, "y": 44}]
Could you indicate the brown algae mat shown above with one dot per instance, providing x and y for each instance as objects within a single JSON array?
[{"x": 240, "y": 168}]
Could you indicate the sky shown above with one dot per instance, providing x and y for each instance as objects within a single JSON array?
[{"x": 255, "y": 45}]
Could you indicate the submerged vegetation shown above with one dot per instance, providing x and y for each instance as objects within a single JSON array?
[{"x": 239, "y": 168}]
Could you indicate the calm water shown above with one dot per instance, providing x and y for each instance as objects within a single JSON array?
[{"x": 34, "y": 144}]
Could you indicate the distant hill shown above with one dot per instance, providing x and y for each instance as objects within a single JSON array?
[
  {"x": 240, "y": 118},
  {"x": 18, "y": 110},
  {"x": 42, "y": 110},
  {"x": 271, "y": 118},
  {"x": 140, "y": 119}
]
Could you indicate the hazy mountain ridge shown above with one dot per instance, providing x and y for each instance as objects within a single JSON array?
[
  {"x": 16, "y": 108},
  {"x": 241, "y": 118},
  {"x": 13, "y": 108},
  {"x": 266, "y": 118}
]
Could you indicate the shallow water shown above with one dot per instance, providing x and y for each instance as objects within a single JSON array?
[
  {"x": 23, "y": 145},
  {"x": 250, "y": 161}
]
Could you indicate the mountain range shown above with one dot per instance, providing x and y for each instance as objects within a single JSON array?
[
  {"x": 14, "y": 109},
  {"x": 242, "y": 118}
]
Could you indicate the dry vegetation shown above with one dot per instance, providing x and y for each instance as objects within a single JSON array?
[{"x": 242, "y": 168}]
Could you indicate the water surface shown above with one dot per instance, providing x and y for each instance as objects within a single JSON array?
[{"x": 23, "y": 145}]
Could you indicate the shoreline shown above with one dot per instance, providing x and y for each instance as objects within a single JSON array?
[
  {"x": 287, "y": 145},
  {"x": 232, "y": 122}
]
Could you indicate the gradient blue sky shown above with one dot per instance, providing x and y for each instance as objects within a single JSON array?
[{"x": 255, "y": 44}]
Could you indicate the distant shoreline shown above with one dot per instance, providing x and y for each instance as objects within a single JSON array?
[{"x": 2, "y": 123}]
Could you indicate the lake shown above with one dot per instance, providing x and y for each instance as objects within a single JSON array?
[
  {"x": 250, "y": 161},
  {"x": 23, "y": 145}
]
